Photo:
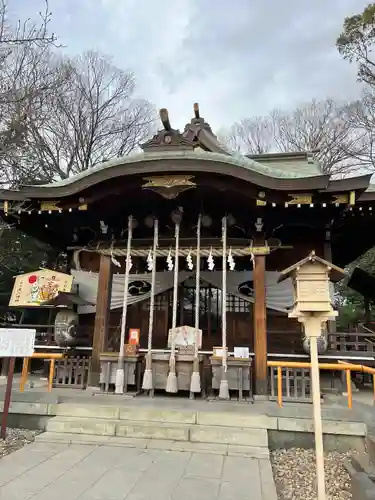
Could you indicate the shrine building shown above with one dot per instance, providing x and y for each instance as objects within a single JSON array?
[{"x": 186, "y": 194}]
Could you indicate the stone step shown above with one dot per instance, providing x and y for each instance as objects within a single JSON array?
[
  {"x": 244, "y": 436},
  {"x": 238, "y": 436},
  {"x": 106, "y": 427},
  {"x": 157, "y": 444},
  {"x": 153, "y": 430},
  {"x": 77, "y": 425},
  {"x": 229, "y": 418}
]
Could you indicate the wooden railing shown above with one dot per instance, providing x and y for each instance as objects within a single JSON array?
[
  {"x": 72, "y": 371},
  {"x": 341, "y": 366},
  {"x": 64, "y": 371},
  {"x": 353, "y": 341}
]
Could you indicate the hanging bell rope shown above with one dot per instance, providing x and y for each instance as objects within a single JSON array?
[
  {"x": 195, "y": 382},
  {"x": 224, "y": 388},
  {"x": 147, "y": 377},
  {"x": 172, "y": 386},
  {"x": 119, "y": 385}
]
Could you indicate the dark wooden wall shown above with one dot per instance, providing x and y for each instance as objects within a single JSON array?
[{"x": 284, "y": 334}]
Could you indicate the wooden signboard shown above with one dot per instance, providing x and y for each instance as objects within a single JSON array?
[
  {"x": 35, "y": 288},
  {"x": 184, "y": 336}
]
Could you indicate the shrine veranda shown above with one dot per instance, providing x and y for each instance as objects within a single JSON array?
[{"x": 249, "y": 216}]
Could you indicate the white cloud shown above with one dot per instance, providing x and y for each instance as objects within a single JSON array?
[{"x": 236, "y": 58}]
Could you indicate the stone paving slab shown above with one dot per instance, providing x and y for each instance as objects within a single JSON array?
[{"x": 42, "y": 471}]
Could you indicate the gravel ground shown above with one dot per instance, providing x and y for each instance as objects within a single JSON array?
[
  {"x": 16, "y": 439},
  {"x": 294, "y": 473}
]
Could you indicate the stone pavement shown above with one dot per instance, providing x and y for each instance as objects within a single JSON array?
[{"x": 58, "y": 471}]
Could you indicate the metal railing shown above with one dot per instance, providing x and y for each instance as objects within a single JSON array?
[
  {"x": 341, "y": 366},
  {"x": 52, "y": 357}
]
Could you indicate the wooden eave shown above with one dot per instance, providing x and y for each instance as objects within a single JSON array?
[
  {"x": 306, "y": 185},
  {"x": 367, "y": 196},
  {"x": 360, "y": 183}
]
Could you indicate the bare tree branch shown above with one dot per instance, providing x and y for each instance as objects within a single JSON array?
[
  {"x": 361, "y": 116},
  {"x": 322, "y": 127},
  {"x": 91, "y": 117},
  {"x": 25, "y": 77},
  {"x": 253, "y": 135}
]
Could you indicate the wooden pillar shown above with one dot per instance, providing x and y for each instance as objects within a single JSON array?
[
  {"x": 327, "y": 255},
  {"x": 260, "y": 326},
  {"x": 103, "y": 303}
]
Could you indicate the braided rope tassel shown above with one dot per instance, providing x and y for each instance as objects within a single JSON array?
[
  {"x": 195, "y": 383},
  {"x": 224, "y": 388},
  {"x": 147, "y": 377},
  {"x": 119, "y": 386},
  {"x": 172, "y": 377}
]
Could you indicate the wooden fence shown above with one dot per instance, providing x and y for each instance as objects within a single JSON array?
[{"x": 72, "y": 372}]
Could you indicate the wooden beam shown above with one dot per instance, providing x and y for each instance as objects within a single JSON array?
[
  {"x": 260, "y": 326},
  {"x": 103, "y": 304}
]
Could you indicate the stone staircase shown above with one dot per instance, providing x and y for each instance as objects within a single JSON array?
[{"x": 238, "y": 433}]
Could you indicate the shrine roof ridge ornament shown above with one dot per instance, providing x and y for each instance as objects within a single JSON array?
[{"x": 167, "y": 138}]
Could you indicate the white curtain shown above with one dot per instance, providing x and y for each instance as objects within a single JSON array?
[
  {"x": 139, "y": 287},
  {"x": 279, "y": 296}
]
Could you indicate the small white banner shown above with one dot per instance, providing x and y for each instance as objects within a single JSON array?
[{"x": 16, "y": 342}]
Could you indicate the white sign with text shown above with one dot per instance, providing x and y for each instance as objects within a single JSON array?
[{"x": 17, "y": 342}]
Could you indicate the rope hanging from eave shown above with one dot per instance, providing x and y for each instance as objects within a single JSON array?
[
  {"x": 224, "y": 388},
  {"x": 147, "y": 376},
  {"x": 120, "y": 366},
  {"x": 195, "y": 383},
  {"x": 172, "y": 377}
]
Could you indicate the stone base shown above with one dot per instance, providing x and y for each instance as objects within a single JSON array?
[
  {"x": 259, "y": 397},
  {"x": 94, "y": 389}
]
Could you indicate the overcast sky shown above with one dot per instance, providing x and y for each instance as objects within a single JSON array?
[{"x": 237, "y": 58}]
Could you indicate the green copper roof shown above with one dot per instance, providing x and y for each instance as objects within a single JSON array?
[
  {"x": 371, "y": 188},
  {"x": 235, "y": 159}
]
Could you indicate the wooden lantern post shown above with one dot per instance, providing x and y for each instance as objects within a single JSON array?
[{"x": 312, "y": 307}]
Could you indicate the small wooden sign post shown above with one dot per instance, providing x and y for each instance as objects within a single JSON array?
[
  {"x": 14, "y": 343},
  {"x": 312, "y": 307}
]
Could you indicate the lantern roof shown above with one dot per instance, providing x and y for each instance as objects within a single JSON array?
[{"x": 335, "y": 273}]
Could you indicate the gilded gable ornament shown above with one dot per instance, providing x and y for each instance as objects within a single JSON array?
[{"x": 169, "y": 186}]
